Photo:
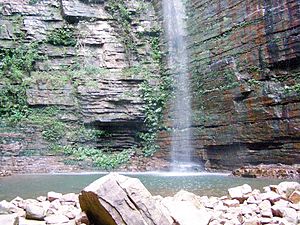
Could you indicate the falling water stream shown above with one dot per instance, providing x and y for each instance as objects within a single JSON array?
[{"x": 175, "y": 33}]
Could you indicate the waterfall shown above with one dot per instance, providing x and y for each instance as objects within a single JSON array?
[{"x": 175, "y": 33}]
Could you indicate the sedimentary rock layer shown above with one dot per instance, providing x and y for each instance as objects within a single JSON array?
[
  {"x": 79, "y": 72},
  {"x": 244, "y": 60}
]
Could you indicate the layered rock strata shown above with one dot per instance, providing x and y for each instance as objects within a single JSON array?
[
  {"x": 245, "y": 66},
  {"x": 82, "y": 76},
  {"x": 244, "y": 63}
]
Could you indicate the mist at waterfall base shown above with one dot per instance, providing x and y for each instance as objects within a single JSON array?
[{"x": 181, "y": 111}]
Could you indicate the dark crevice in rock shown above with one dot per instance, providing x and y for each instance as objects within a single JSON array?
[
  {"x": 263, "y": 146},
  {"x": 234, "y": 155},
  {"x": 72, "y": 19},
  {"x": 118, "y": 135},
  {"x": 242, "y": 96},
  {"x": 93, "y": 1},
  {"x": 288, "y": 64}
]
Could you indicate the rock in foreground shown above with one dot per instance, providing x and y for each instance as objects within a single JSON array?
[{"x": 116, "y": 199}]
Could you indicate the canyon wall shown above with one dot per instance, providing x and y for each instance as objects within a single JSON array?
[
  {"x": 81, "y": 78},
  {"x": 245, "y": 69},
  {"x": 83, "y": 84}
]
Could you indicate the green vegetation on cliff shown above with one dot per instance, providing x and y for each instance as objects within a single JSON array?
[
  {"x": 99, "y": 158},
  {"x": 64, "y": 36},
  {"x": 123, "y": 16},
  {"x": 16, "y": 65},
  {"x": 156, "y": 86},
  {"x": 155, "y": 92},
  {"x": 45, "y": 85}
]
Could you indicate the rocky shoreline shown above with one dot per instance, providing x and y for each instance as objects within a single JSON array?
[
  {"x": 276, "y": 171},
  {"x": 118, "y": 200},
  {"x": 55, "y": 164}
]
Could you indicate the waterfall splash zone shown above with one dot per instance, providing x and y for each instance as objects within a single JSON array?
[{"x": 181, "y": 111}]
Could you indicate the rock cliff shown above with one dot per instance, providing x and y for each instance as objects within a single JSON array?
[
  {"x": 244, "y": 64},
  {"x": 71, "y": 74},
  {"x": 82, "y": 82},
  {"x": 245, "y": 67}
]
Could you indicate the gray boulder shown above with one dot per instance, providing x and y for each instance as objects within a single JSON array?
[
  {"x": 118, "y": 200},
  {"x": 240, "y": 192},
  {"x": 56, "y": 219},
  {"x": 7, "y": 207},
  {"x": 35, "y": 212},
  {"x": 51, "y": 196},
  {"x": 186, "y": 212},
  {"x": 287, "y": 188},
  {"x": 10, "y": 219}
]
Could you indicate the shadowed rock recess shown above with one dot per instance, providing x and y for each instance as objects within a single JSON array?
[{"x": 243, "y": 62}]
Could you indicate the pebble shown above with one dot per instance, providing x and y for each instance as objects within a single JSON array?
[
  {"x": 56, "y": 219},
  {"x": 51, "y": 196}
]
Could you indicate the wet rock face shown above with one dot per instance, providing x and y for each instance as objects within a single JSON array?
[
  {"x": 245, "y": 71},
  {"x": 80, "y": 71}
]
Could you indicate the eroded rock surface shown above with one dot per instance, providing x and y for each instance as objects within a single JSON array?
[
  {"x": 84, "y": 77},
  {"x": 244, "y": 63},
  {"x": 271, "y": 171},
  {"x": 116, "y": 199}
]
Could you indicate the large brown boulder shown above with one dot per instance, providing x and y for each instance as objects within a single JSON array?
[{"x": 118, "y": 200}]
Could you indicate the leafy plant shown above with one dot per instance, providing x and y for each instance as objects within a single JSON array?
[
  {"x": 87, "y": 134},
  {"x": 156, "y": 52},
  {"x": 112, "y": 160},
  {"x": 88, "y": 71},
  {"x": 155, "y": 98},
  {"x": 33, "y": 2},
  {"x": 154, "y": 40},
  {"x": 134, "y": 71},
  {"x": 53, "y": 132},
  {"x": 29, "y": 153},
  {"x": 253, "y": 82},
  {"x": 99, "y": 158},
  {"x": 52, "y": 129},
  {"x": 64, "y": 36},
  {"x": 290, "y": 89},
  {"x": 16, "y": 64},
  {"x": 124, "y": 17},
  {"x": 56, "y": 79}
]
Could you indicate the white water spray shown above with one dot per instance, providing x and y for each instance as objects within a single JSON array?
[{"x": 175, "y": 29}]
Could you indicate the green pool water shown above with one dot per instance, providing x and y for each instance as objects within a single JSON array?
[{"x": 165, "y": 184}]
